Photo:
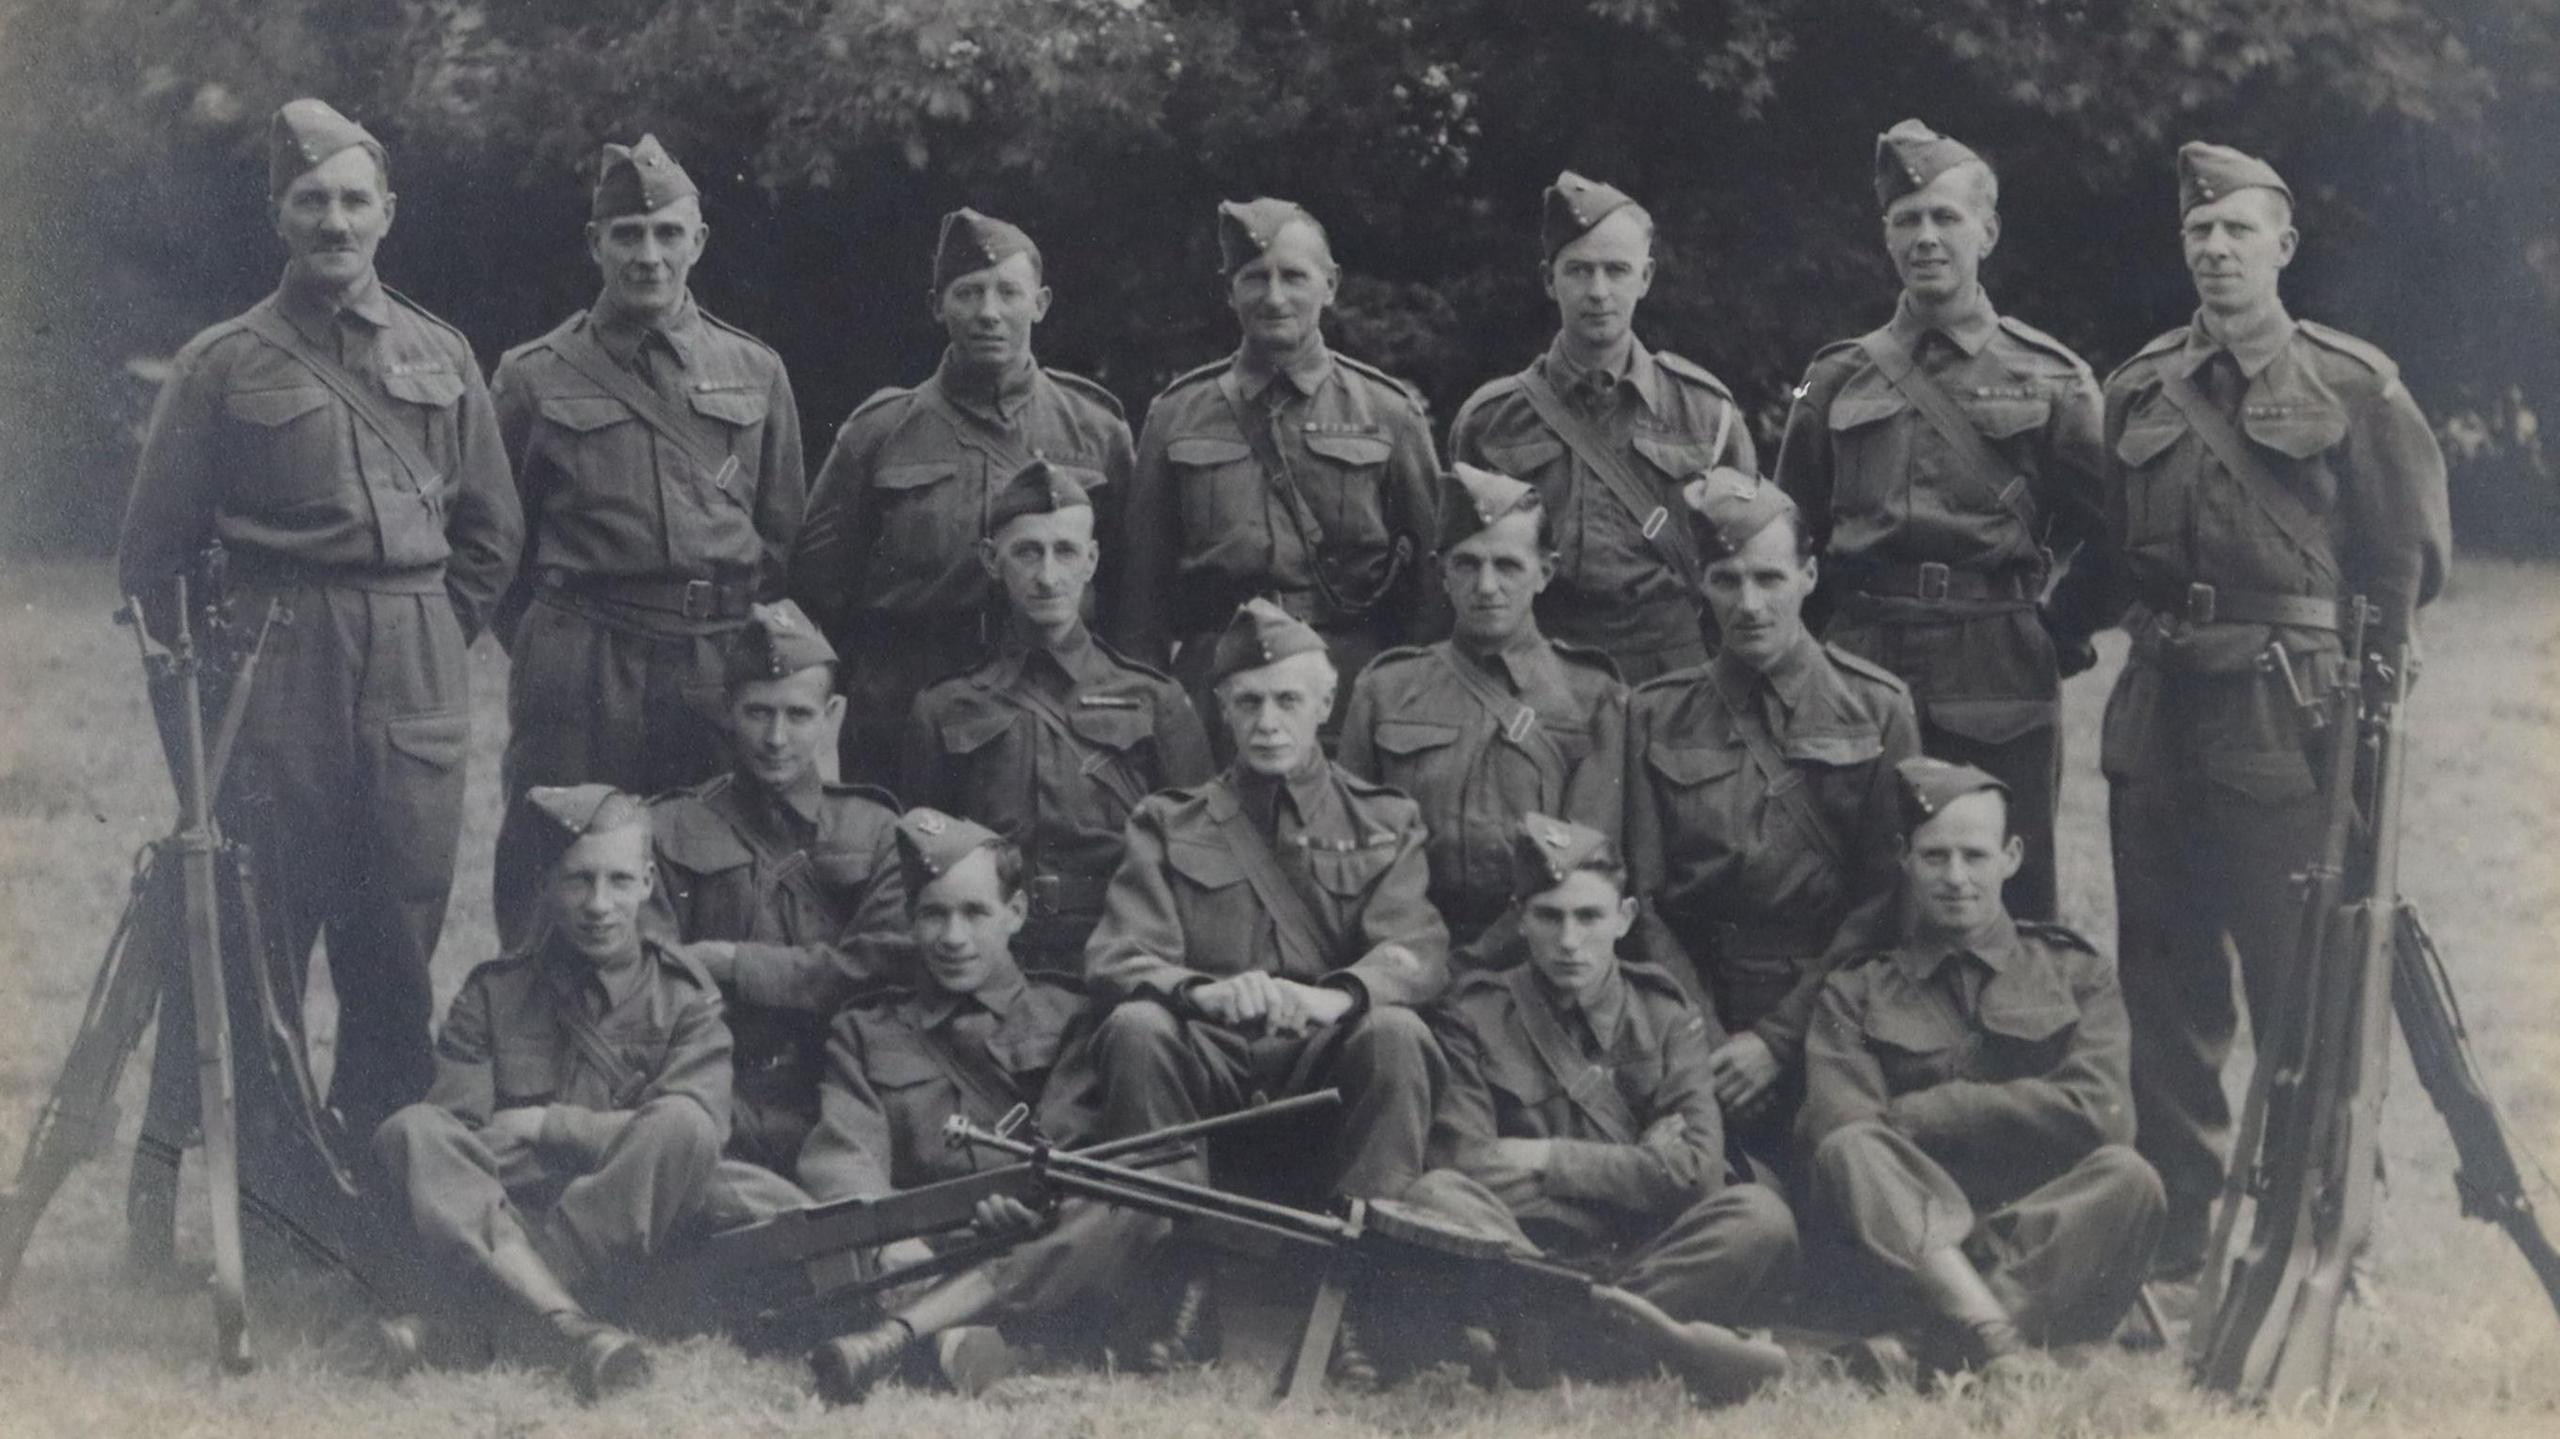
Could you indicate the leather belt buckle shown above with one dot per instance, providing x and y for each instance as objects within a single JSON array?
[
  {"x": 2199, "y": 604},
  {"x": 700, "y": 599},
  {"x": 1933, "y": 580}
]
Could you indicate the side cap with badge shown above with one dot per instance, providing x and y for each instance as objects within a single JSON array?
[
  {"x": 930, "y": 842},
  {"x": 1260, "y": 633},
  {"x": 1925, "y": 786},
  {"x": 638, "y": 179},
  {"x": 1728, "y": 506},
  {"x": 1573, "y": 205},
  {"x": 1473, "y": 500},
  {"x": 2207, "y": 172},
  {"x": 1246, "y": 230},
  {"x": 1038, "y": 488},
  {"x": 1545, "y": 852},
  {"x": 777, "y": 641},
  {"x": 1910, "y": 155},
  {"x": 305, "y": 132},
  {"x": 971, "y": 242}
]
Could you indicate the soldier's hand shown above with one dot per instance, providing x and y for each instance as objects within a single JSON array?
[
  {"x": 1004, "y": 1214},
  {"x": 1318, "y": 1004},
  {"x": 1667, "y": 1134},
  {"x": 510, "y": 1135},
  {"x": 718, "y": 958},
  {"x": 900, "y": 1253},
  {"x": 1514, "y": 1169},
  {"x": 1242, "y": 1000},
  {"x": 2072, "y": 654},
  {"x": 1746, "y": 1073}
]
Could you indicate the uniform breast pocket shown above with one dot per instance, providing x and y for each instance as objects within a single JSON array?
[
  {"x": 1220, "y": 485},
  {"x": 1696, "y": 783},
  {"x": 1119, "y": 753},
  {"x": 289, "y": 441},
  {"x": 2301, "y": 437},
  {"x": 2154, "y": 483},
  {"x": 1917, "y": 1045},
  {"x": 1527, "y": 460},
  {"x": 606, "y": 443},
  {"x": 429, "y": 390},
  {"x": 927, "y": 514},
  {"x": 1345, "y": 479},
  {"x": 1348, "y": 873},
  {"x": 738, "y": 410},
  {"x": 1216, "y": 905},
  {"x": 1870, "y": 449},
  {"x": 1676, "y": 459},
  {"x": 1418, "y": 756}
]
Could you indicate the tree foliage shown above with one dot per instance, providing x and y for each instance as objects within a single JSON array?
[{"x": 830, "y": 134}]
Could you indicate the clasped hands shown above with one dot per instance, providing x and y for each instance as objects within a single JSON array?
[{"x": 1256, "y": 1000}]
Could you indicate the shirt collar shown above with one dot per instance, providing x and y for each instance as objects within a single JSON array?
[
  {"x": 1970, "y": 324},
  {"x": 1073, "y": 654},
  {"x": 800, "y": 799},
  {"x": 1789, "y": 678},
  {"x": 1636, "y": 369},
  {"x": 2254, "y": 345},
  {"x": 1305, "y": 372},
  {"x": 622, "y": 336},
  {"x": 1504, "y": 659},
  {"x": 936, "y": 1006},
  {"x": 1001, "y": 400},
  {"x": 1304, "y": 785},
  {"x": 1995, "y": 942},
  {"x": 315, "y": 316}
]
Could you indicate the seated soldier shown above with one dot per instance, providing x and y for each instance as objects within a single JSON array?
[
  {"x": 1053, "y": 741},
  {"x": 975, "y": 1039},
  {"x": 1968, "y": 1120},
  {"x": 580, "y": 1100},
  {"x": 783, "y": 887},
  {"x": 1268, "y": 934},
  {"x": 1580, "y": 1120},
  {"x": 1496, "y": 720}
]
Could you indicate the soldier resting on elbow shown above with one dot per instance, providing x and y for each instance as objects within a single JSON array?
[
  {"x": 580, "y": 1101},
  {"x": 1967, "y": 1123},
  {"x": 1580, "y": 1121}
]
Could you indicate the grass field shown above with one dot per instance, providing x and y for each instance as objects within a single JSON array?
[{"x": 2461, "y": 1344}]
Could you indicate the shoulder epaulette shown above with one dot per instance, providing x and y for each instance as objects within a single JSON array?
[
  {"x": 879, "y": 397},
  {"x": 431, "y": 317},
  {"x": 1126, "y": 663},
  {"x": 1368, "y": 790},
  {"x": 1091, "y": 390},
  {"x": 704, "y": 789},
  {"x": 872, "y": 792},
  {"x": 721, "y": 324},
  {"x": 1188, "y": 378},
  {"x": 2061, "y": 934},
  {"x": 1674, "y": 679},
  {"x": 1845, "y": 347},
  {"x": 2159, "y": 345},
  {"x": 1655, "y": 978},
  {"x": 1497, "y": 388},
  {"x": 1477, "y": 981},
  {"x": 1860, "y": 665},
  {"x": 1412, "y": 396},
  {"x": 1691, "y": 371},
  {"x": 1590, "y": 656},
  {"x": 544, "y": 341},
  {"x": 2348, "y": 345},
  {"x": 1397, "y": 653},
  {"x": 673, "y": 956},
  {"x": 2029, "y": 335}
]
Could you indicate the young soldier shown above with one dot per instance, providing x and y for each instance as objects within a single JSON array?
[
  {"x": 976, "y": 1038},
  {"x": 1967, "y": 1120},
  {"x": 1943, "y": 459},
  {"x": 889, "y": 561},
  {"x": 2264, "y": 471},
  {"x": 1581, "y": 1121},
  {"x": 1607, "y": 431},
  {"x": 1496, "y": 720},
  {"x": 784, "y": 888},
  {"x": 1760, "y": 806},
  {"x": 658, "y": 453},
  {"x": 1053, "y": 741},
  {"x": 1285, "y": 471},
  {"x": 337, "y": 441},
  {"x": 580, "y": 1101}
]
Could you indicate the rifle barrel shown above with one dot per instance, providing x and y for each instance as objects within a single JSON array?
[{"x": 1272, "y": 1109}]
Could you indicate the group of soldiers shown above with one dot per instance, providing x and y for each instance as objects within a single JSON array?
[{"x": 1659, "y": 859}]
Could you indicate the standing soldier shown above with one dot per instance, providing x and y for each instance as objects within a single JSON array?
[
  {"x": 1497, "y": 720},
  {"x": 1941, "y": 461},
  {"x": 1053, "y": 741},
  {"x": 1608, "y": 430},
  {"x": 336, "y": 440},
  {"x": 889, "y": 562},
  {"x": 1760, "y": 808},
  {"x": 784, "y": 887},
  {"x": 1966, "y": 1121},
  {"x": 2264, "y": 471},
  {"x": 658, "y": 453},
  {"x": 1285, "y": 471}
]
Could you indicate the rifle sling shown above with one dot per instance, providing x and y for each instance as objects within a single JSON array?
[
  {"x": 2263, "y": 490},
  {"x": 1785, "y": 785},
  {"x": 579, "y": 351},
  {"x": 624, "y": 1083},
  {"x": 1513, "y": 714},
  {"x": 992, "y": 1090},
  {"x": 424, "y": 473},
  {"x": 1892, "y": 359},
  {"x": 1667, "y": 532},
  {"x": 1275, "y": 465},
  {"x": 1301, "y": 938}
]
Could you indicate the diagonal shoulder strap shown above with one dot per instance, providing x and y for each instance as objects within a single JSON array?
[
  {"x": 1108, "y": 772},
  {"x": 1266, "y": 453},
  {"x": 579, "y": 351},
  {"x": 1517, "y": 718},
  {"x": 990, "y": 1089},
  {"x": 1302, "y": 942},
  {"x": 1666, "y": 531},
  {"x": 1592, "y": 1088},
  {"x": 1892, "y": 360},
  {"x": 1785, "y": 785},
  {"x": 620, "y": 1078},
  {"x": 358, "y": 396},
  {"x": 2263, "y": 489}
]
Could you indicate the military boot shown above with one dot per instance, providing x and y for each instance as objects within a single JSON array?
[
  {"x": 1975, "y": 1328},
  {"x": 598, "y": 1358},
  {"x": 847, "y": 1369}
]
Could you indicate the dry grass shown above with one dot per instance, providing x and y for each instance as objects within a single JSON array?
[{"x": 2463, "y": 1346}]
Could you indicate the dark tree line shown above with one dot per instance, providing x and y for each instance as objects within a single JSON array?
[{"x": 2422, "y": 138}]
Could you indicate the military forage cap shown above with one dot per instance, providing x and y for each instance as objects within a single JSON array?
[
  {"x": 1574, "y": 205},
  {"x": 972, "y": 242},
  {"x": 1927, "y": 786},
  {"x": 2207, "y": 172},
  {"x": 1038, "y": 488},
  {"x": 1728, "y": 506},
  {"x": 931, "y": 842},
  {"x": 571, "y": 811},
  {"x": 1261, "y": 633},
  {"x": 776, "y": 641},
  {"x": 306, "y": 132},
  {"x": 638, "y": 180},
  {"x": 1545, "y": 851},
  {"x": 1246, "y": 230},
  {"x": 1910, "y": 155},
  {"x": 1471, "y": 500}
]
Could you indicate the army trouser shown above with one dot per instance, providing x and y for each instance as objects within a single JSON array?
[
  {"x": 1721, "y": 1259},
  {"x": 347, "y": 785},
  {"x": 889, "y": 658},
  {"x": 2065, "y": 1258},
  {"x": 2209, "y": 826},
  {"x": 662, "y": 1176},
  {"x": 1158, "y": 1069}
]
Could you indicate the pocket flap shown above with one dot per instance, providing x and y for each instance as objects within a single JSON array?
[
  {"x": 691, "y": 839},
  {"x": 1206, "y": 450},
  {"x": 1834, "y": 747},
  {"x": 1849, "y": 412},
  {"x": 1414, "y": 736},
  {"x": 2141, "y": 444},
  {"x": 1521, "y": 459},
  {"x": 1206, "y": 865},
  {"x": 436, "y": 386},
  {"x": 1674, "y": 458},
  {"x": 2300, "y": 433},
  {"x": 915, "y": 477},
  {"x": 969, "y": 733},
  {"x": 275, "y": 407},
  {"x": 2002, "y": 417},
  {"x": 1113, "y": 729},
  {"x": 1992, "y": 721},
  {"x": 1348, "y": 872},
  {"x": 1693, "y": 764},
  {"x": 584, "y": 412},
  {"x": 731, "y": 405},
  {"x": 2265, "y": 776},
  {"x": 432, "y": 739},
  {"x": 1351, "y": 449},
  {"x": 1913, "y": 1028},
  {"x": 896, "y": 1062}
]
